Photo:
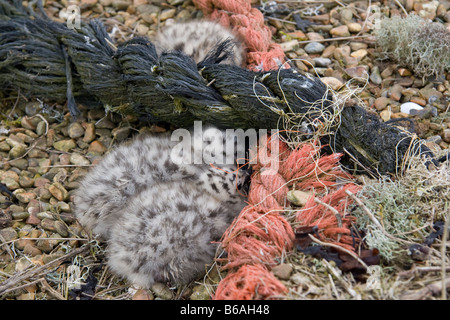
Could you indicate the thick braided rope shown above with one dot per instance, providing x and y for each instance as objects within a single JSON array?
[
  {"x": 133, "y": 78},
  {"x": 45, "y": 59}
]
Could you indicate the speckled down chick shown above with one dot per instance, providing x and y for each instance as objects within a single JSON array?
[
  {"x": 198, "y": 39},
  {"x": 158, "y": 211}
]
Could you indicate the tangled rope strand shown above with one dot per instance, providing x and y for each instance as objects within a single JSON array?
[
  {"x": 261, "y": 235},
  {"x": 40, "y": 57}
]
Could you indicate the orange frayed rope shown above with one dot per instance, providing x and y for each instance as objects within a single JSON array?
[
  {"x": 248, "y": 24},
  {"x": 261, "y": 235}
]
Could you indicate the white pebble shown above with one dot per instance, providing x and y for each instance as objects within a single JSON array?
[{"x": 408, "y": 106}]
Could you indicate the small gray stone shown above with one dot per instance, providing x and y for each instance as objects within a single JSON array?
[
  {"x": 44, "y": 215},
  {"x": 425, "y": 113},
  {"x": 20, "y": 215},
  {"x": 314, "y": 47},
  {"x": 375, "y": 76},
  {"x": 121, "y": 133},
  {"x": 61, "y": 228},
  {"x": 322, "y": 62},
  {"x": 75, "y": 130},
  {"x": 8, "y": 233}
]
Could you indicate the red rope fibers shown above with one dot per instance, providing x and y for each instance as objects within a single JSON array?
[
  {"x": 260, "y": 235},
  {"x": 248, "y": 25}
]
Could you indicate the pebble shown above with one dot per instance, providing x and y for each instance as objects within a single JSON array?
[
  {"x": 26, "y": 122},
  {"x": 58, "y": 191},
  {"x": 291, "y": 45},
  {"x": 200, "y": 292},
  {"x": 283, "y": 271},
  {"x": 332, "y": 82},
  {"x": 341, "y": 52},
  {"x": 161, "y": 291},
  {"x": 64, "y": 145},
  {"x": 26, "y": 179},
  {"x": 22, "y": 264},
  {"x": 61, "y": 228},
  {"x": 89, "y": 134},
  {"x": 79, "y": 160},
  {"x": 96, "y": 148},
  {"x": 322, "y": 62},
  {"x": 121, "y": 134},
  {"x": 20, "y": 215},
  {"x": 446, "y": 135},
  {"x": 404, "y": 72},
  {"x": 167, "y": 14},
  {"x": 31, "y": 250},
  {"x": 341, "y": 31},
  {"x": 4, "y": 146},
  {"x": 381, "y": 103},
  {"x": 375, "y": 76},
  {"x": 395, "y": 92},
  {"x": 8, "y": 234},
  {"x": 298, "y": 197},
  {"x": 21, "y": 164},
  {"x": 314, "y": 47},
  {"x": 75, "y": 130},
  {"x": 386, "y": 115},
  {"x": 354, "y": 27},
  {"x": 25, "y": 197},
  {"x": 425, "y": 113},
  {"x": 142, "y": 294},
  {"x": 408, "y": 106},
  {"x": 357, "y": 72},
  {"x": 121, "y": 4},
  {"x": 17, "y": 152},
  {"x": 359, "y": 54},
  {"x": 328, "y": 52}
]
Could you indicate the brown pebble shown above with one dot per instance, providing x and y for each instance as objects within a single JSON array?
[
  {"x": 142, "y": 294},
  {"x": 58, "y": 191},
  {"x": 31, "y": 250},
  {"x": 89, "y": 133},
  {"x": 446, "y": 135},
  {"x": 418, "y": 100},
  {"x": 341, "y": 31},
  {"x": 396, "y": 92},
  {"x": 381, "y": 103},
  {"x": 96, "y": 147},
  {"x": 283, "y": 271}
]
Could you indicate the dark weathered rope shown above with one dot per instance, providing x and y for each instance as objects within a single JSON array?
[{"x": 48, "y": 60}]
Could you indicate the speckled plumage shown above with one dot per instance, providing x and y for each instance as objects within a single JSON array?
[
  {"x": 157, "y": 214},
  {"x": 197, "y": 39}
]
